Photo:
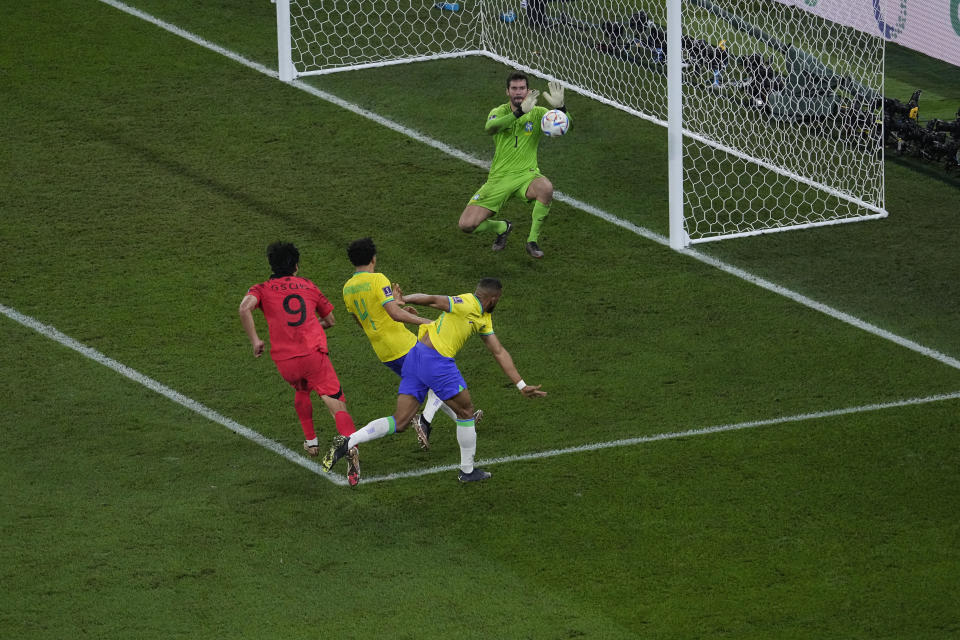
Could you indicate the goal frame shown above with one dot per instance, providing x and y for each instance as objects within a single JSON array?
[{"x": 679, "y": 239}]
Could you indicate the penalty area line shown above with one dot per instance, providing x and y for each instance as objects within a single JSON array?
[
  {"x": 168, "y": 393},
  {"x": 627, "y": 442}
]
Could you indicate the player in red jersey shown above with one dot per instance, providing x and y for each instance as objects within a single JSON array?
[{"x": 297, "y": 313}]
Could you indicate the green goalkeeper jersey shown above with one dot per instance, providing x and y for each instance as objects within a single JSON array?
[{"x": 516, "y": 143}]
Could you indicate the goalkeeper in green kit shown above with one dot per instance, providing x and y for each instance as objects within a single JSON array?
[{"x": 515, "y": 127}]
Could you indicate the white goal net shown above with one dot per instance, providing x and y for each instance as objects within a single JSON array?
[
  {"x": 780, "y": 107},
  {"x": 782, "y": 123},
  {"x": 337, "y": 35}
]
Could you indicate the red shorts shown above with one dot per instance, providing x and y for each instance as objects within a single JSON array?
[{"x": 311, "y": 372}]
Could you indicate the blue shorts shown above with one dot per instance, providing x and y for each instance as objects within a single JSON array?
[
  {"x": 425, "y": 369},
  {"x": 396, "y": 365}
]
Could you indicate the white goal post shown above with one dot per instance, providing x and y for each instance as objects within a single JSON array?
[{"x": 774, "y": 114}]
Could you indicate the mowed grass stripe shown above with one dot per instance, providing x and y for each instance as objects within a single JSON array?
[
  {"x": 573, "y": 202},
  {"x": 201, "y": 409}
]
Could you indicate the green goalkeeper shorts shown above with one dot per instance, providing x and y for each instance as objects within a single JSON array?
[{"x": 494, "y": 193}]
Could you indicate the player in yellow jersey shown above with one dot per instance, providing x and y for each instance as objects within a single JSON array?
[
  {"x": 515, "y": 127},
  {"x": 368, "y": 295},
  {"x": 430, "y": 365}
]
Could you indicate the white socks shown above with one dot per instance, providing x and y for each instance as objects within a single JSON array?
[
  {"x": 432, "y": 404},
  {"x": 376, "y": 429},
  {"x": 467, "y": 439}
]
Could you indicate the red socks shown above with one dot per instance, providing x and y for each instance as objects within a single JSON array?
[
  {"x": 345, "y": 425},
  {"x": 304, "y": 407}
]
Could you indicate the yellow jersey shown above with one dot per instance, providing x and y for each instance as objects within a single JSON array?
[
  {"x": 450, "y": 331},
  {"x": 364, "y": 295}
]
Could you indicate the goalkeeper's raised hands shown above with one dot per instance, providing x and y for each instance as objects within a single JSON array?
[
  {"x": 554, "y": 96},
  {"x": 530, "y": 101}
]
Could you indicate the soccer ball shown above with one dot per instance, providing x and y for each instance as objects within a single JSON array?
[{"x": 554, "y": 123}]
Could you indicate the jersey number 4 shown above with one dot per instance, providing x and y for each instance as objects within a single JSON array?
[{"x": 363, "y": 314}]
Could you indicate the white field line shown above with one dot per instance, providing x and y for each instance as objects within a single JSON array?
[
  {"x": 573, "y": 202},
  {"x": 303, "y": 461},
  {"x": 167, "y": 392},
  {"x": 626, "y": 442}
]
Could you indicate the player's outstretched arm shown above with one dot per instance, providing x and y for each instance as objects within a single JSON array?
[
  {"x": 426, "y": 300},
  {"x": 494, "y": 125},
  {"x": 421, "y": 299},
  {"x": 554, "y": 96},
  {"x": 247, "y": 305},
  {"x": 404, "y": 314},
  {"x": 498, "y": 123},
  {"x": 503, "y": 358}
]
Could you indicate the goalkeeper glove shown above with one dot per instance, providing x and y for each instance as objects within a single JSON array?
[
  {"x": 530, "y": 101},
  {"x": 555, "y": 95}
]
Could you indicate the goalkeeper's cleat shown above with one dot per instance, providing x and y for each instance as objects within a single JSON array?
[
  {"x": 501, "y": 240},
  {"x": 338, "y": 449},
  {"x": 353, "y": 467},
  {"x": 474, "y": 476},
  {"x": 554, "y": 96},
  {"x": 534, "y": 250},
  {"x": 313, "y": 450},
  {"x": 423, "y": 428}
]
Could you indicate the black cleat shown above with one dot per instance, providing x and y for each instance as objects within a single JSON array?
[
  {"x": 534, "y": 250},
  {"x": 501, "y": 240},
  {"x": 474, "y": 476},
  {"x": 338, "y": 449}
]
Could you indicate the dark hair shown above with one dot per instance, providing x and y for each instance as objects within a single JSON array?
[
  {"x": 490, "y": 285},
  {"x": 361, "y": 251},
  {"x": 516, "y": 75},
  {"x": 284, "y": 258}
]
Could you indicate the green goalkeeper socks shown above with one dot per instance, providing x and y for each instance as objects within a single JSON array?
[
  {"x": 540, "y": 212},
  {"x": 498, "y": 226}
]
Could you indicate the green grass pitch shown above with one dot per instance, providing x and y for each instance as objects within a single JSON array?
[{"x": 141, "y": 178}]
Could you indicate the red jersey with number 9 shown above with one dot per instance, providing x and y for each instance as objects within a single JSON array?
[{"x": 291, "y": 306}]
